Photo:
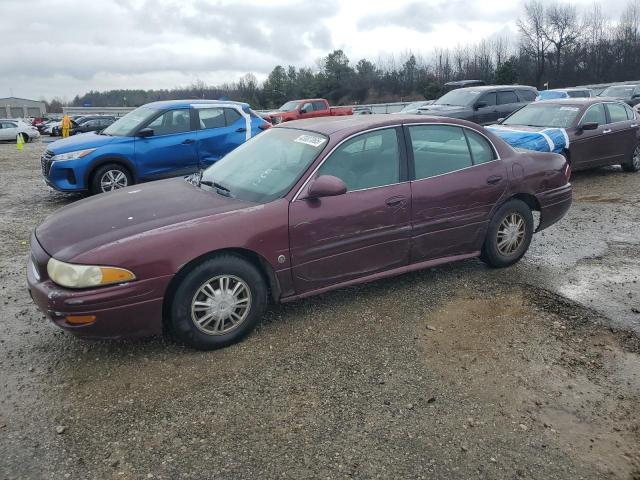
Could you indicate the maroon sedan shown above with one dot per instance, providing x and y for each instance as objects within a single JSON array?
[{"x": 301, "y": 209}]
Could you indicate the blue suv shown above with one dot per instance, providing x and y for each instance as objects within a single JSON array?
[{"x": 157, "y": 140}]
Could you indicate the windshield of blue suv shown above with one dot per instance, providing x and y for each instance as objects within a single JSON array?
[
  {"x": 266, "y": 167},
  {"x": 127, "y": 125}
]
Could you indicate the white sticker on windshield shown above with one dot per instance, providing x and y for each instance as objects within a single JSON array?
[
  {"x": 571, "y": 109},
  {"x": 310, "y": 140}
]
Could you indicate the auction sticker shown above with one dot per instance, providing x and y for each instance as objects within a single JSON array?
[
  {"x": 570, "y": 109},
  {"x": 310, "y": 140}
]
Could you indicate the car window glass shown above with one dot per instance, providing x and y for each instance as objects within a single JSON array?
[
  {"x": 319, "y": 106},
  {"x": 617, "y": 113},
  {"x": 526, "y": 95},
  {"x": 171, "y": 122},
  {"x": 630, "y": 112},
  {"x": 489, "y": 99},
  {"x": 481, "y": 150},
  {"x": 367, "y": 161},
  {"x": 211, "y": 117},
  {"x": 596, "y": 114},
  {"x": 438, "y": 149},
  {"x": 231, "y": 116},
  {"x": 507, "y": 97},
  {"x": 307, "y": 107}
]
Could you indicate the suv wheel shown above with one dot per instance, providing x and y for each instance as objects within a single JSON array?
[
  {"x": 508, "y": 235},
  {"x": 110, "y": 177},
  {"x": 218, "y": 303}
]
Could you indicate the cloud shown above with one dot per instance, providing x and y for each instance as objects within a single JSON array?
[{"x": 425, "y": 16}]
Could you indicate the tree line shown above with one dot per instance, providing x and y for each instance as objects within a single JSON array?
[{"x": 557, "y": 45}]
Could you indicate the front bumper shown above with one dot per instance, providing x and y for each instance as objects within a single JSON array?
[
  {"x": 126, "y": 310},
  {"x": 67, "y": 176}
]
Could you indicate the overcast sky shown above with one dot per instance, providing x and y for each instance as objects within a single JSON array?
[{"x": 69, "y": 47}]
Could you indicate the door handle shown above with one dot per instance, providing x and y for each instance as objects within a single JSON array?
[
  {"x": 241, "y": 129},
  {"x": 188, "y": 141},
  {"x": 494, "y": 179},
  {"x": 395, "y": 201},
  {"x": 607, "y": 131}
]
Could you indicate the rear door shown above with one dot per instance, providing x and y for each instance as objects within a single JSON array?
[
  {"x": 220, "y": 130},
  {"x": 458, "y": 181},
  {"x": 171, "y": 150},
  {"x": 359, "y": 233},
  {"x": 590, "y": 148},
  {"x": 508, "y": 102},
  {"x": 8, "y": 130},
  {"x": 622, "y": 136}
]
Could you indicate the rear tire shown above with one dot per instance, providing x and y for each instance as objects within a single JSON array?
[
  {"x": 217, "y": 303},
  {"x": 110, "y": 177},
  {"x": 633, "y": 165},
  {"x": 508, "y": 235}
]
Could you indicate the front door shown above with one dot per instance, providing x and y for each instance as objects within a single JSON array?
[
  {"x": 220, "y": 130},
  {"x": 458, "y": 181},
  {"x": 590, "y": 148},
  {"x": 488, "y": 113},
  {"x": 359, "y": 233},
  {"x": 171, "y": 150},
  {"x": 8, "y": 130}
]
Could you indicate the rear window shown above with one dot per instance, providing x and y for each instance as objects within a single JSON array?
[
  {"x": 617, "y": 113},
  {"x": 526, "y": 95},
  {"x": 438, "y": 149}
]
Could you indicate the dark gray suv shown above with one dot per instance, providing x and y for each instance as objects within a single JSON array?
[{"x": 482, "y": 105}]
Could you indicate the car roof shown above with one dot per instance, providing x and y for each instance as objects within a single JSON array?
[
  {"x": 355, "y": 123},
  {"x": 483, "y": 88},
  {"x": 579, "y": 101},
  {"x": 167, "y": 104}
]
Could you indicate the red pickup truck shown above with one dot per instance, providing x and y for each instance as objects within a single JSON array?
[{"x": 305, "y": 108}]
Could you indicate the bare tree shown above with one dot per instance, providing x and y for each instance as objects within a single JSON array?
[
  {"x": 534, "y": 42},
  {"x": 562, "y": 30}
]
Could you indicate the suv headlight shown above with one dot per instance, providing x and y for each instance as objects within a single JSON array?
[
  {"x": 72, "y": 155},
  {"x": 82, "y": 276}
]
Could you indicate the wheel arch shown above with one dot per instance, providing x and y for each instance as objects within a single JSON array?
[
  {"x": 122, "y": 161},
  {"x": 257, "y": 260},
  {"x": 532, "y": 202}
]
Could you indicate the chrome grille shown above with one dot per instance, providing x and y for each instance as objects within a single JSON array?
[{"x": 45, "y": 162}]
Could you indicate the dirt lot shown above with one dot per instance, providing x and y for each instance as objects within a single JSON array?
[{"x": 451, "y": 373}]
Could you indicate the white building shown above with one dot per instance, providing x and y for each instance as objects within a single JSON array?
[{"x": 14, "y": 107}]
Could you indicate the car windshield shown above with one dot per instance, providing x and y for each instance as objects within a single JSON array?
[
  {"x": 620, "y": 91},
  {"x": 539, "y": 115},
  {"x": 461, "y": 97},
  {"x": 267, "y": 166},
  {"x": 127, "y": 125},
  {"x": 289, "y": 106}
]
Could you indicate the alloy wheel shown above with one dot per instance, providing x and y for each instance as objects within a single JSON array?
[
  {"x": 511, "y": 233},
  {"x": 113, "y": 180},
  {"x": 221, "y": 304}
]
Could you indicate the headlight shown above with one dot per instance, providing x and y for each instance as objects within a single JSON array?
[
  {"x": 83, "y": 276},
  {"x": 72, "y": 155}
]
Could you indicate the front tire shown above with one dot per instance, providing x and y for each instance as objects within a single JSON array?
[
  {"x": 217, "y": 303},
  {"x": 110, "y": 177},
  {"x": 508, "y": 235},
  {"x": 633, "y": 165}
]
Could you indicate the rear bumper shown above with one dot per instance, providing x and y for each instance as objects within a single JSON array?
[
  {"x": 122, "y": 311},
  {"x": 554, "y": 204}
]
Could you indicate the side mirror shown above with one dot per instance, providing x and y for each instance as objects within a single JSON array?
[
  {"x": 479, "y": 105},
  {"x": 589, "y": 126},
  {"x": 303, "y": 110},
  {"x": 326, "y": 186},
  {"x": 500, "y": 120},
  {"x": 145, "y": 133}
]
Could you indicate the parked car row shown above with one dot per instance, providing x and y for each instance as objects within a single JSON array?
[
  {"x": 84, "y": 124},
  {"x": 10, "y": 129}
]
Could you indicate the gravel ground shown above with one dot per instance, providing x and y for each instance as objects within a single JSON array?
[{"x": 452, "y": 373}]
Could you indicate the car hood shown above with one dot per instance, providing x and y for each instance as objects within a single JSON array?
[
  {"x": 83, "y": 141},
  {"x": 437, "y": 109},
  {"x": 110, "y": 217}
]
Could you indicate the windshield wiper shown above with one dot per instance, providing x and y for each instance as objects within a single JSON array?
[{"x": 217, "y": 186}]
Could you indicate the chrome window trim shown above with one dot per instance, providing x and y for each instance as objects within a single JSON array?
[
  {"x": 589, "y": 108},
  {"x": 622, "y": 104},
  {"x": 454, "y": 171},
  {"x": 315, "y": 170}
]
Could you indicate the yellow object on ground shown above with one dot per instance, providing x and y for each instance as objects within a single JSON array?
[{"x": 20, "y": 141}]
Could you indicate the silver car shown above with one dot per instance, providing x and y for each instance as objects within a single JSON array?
[{"x": 10, "y": 129}]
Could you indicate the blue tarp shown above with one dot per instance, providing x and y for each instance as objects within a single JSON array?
[{"x": 547, "y": 140}]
